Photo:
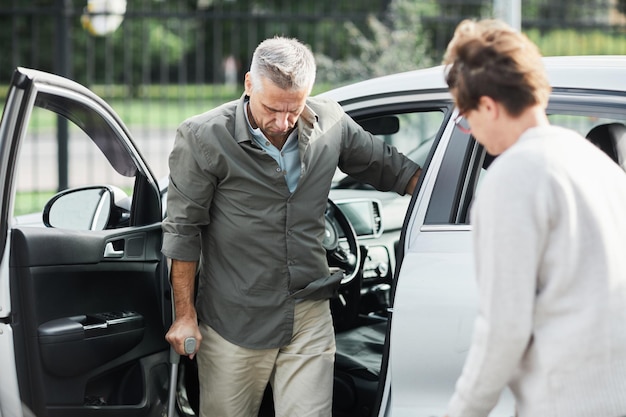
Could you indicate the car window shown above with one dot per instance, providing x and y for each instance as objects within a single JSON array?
[
  {"x": 584, "y": 124},
  {"x": 413, "y": 133},
  {"x": 37, "y": 171},
  {"x": 416, "y": 134},
  {"x": 466, "y": 162}
]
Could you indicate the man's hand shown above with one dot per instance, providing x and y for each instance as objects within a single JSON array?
[
  {"x": 181, "y": 329},
  {"x": 185, "y": 325},
  {"x": 410, "y": 187}
]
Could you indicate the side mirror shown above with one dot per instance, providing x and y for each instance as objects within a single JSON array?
[{"x": 88, "y": 208}]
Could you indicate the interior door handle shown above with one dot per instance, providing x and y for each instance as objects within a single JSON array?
[{"x": 111, "y": 252}]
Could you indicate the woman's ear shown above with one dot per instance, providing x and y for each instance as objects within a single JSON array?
[{"x": 489, "y": 106}]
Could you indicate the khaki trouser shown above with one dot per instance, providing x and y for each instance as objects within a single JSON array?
[{"x": 233, "y": 379}]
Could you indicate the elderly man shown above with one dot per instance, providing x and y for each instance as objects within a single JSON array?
[{"x": 249, "y": 184}]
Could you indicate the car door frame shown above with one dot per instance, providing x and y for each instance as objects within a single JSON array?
[
  {"x": 411, "y": 101},
  {"x": 22, "y": 386}
]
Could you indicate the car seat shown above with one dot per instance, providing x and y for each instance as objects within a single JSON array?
[{"x": 357, "y": 369}]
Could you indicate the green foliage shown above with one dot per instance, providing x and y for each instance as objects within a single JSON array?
[
  {"x": 464, "y": 8},
  {"x": 439, "y": 22},
  {"x": 573, "y": 42},
  {"x": 565, "y": 11},
  {"x": 184, "y": 42},
  {"x": 396, "y": 44},
  {"x": 27, "y": 202}
]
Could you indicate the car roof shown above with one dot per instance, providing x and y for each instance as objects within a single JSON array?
[{"x": 602, "y": 72}]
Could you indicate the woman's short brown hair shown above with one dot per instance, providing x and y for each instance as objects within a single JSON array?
[{"x": 489, "y": 58}]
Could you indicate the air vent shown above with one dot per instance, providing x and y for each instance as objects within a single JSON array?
[{"x": 378, "y": 220}]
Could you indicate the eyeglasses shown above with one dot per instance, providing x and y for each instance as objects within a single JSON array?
[{"x": 461, "y": 123}]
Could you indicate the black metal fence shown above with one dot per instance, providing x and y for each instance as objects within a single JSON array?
[{"x": 169, "y": 59}]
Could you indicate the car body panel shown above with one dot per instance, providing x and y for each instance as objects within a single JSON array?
[
  {"x": 569, "y": 72},
  {"x": 10, "y": 403},
  {"x": 438, "y": 299}
]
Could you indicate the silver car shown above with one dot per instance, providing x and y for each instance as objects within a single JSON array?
[{"x": 84, "y": 291}]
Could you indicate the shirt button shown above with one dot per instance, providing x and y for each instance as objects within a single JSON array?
[
  {"x": 267, "y": 143},
  {"x": 278, "y": 169},
  {"x": 290, "y": 232}
]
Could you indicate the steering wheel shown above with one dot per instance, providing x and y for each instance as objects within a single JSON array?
[{"x": 339, "y": 256}]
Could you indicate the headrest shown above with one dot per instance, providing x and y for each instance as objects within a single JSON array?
[{"x": 611, "y": 138}]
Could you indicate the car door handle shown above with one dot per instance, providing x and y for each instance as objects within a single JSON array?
[{"x": 111, "y": 252}]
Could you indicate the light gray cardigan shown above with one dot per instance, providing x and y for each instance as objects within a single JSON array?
[{"x": 550, "y": 242}]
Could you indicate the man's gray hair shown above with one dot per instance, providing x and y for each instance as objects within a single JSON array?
[{"x": 288, "y": 63}]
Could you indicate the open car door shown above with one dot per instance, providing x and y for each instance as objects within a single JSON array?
[{"x": 82, "y": 289}]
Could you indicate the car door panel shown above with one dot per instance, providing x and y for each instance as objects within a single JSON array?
[
  {"x": 85, "y": 320},
  {"x": 433, "y": 298}
]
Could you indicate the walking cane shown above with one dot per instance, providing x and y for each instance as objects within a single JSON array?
[{"x": 190, "y": 347}]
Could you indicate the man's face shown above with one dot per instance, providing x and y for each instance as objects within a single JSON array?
[{"x": 274, "y": 110}]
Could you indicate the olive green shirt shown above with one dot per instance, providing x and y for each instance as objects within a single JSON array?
[{"x": 259, "y": 245}]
